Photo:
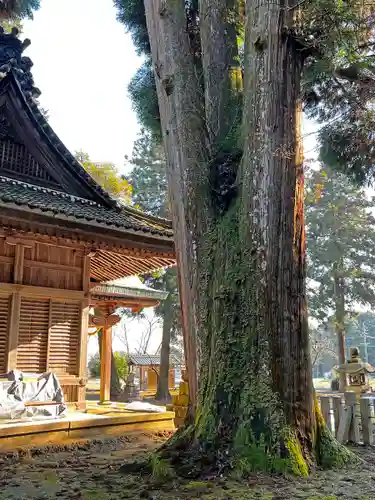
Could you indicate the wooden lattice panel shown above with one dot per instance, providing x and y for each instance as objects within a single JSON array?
[
  {"x": 64, "y": 337},
  {"x": 33, "y": 335},
  {"x": 4, "y": 322},
  {"x": 14, "y": 157}
]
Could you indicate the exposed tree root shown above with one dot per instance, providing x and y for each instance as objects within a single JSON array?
[{"x": 189, "y": 457}]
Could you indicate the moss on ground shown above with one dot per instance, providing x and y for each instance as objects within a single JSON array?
[{"x": 93, "y": 473}]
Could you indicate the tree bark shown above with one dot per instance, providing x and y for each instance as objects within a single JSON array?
[
  {"x": 339, "y": 292},
  {"x": 185, "y": 137},
  {"x": 242, "y": 270},
  {"x": 223, "y": 76},
  {"x": 162, "y": 393}
]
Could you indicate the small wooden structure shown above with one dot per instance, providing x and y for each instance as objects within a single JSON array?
[
  {"x": 147, "y": 366},
  {"x": 61, "y": 236},
  {"x": 106, "y": 298}
]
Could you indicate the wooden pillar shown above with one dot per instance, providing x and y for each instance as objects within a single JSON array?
[
  {"x": 13, "y": 331},
  {"x": 18, "y": 264},
  {"x": 105, "y": 366},
  {"x": 82, "y": 356}
]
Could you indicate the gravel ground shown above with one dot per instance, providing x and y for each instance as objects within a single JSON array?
[{"x": 91, "y": 472}]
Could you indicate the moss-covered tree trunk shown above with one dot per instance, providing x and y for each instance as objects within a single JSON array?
[
  {"x": 241, "y": 245},
  {"x": 162, "y": 393}
]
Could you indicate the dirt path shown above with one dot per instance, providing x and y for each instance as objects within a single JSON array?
[{"x": 91, "y": 472}]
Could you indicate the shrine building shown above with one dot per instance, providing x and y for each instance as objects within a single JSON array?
[{"x": 62, "y": 237}]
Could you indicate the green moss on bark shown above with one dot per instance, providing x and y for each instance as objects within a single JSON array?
[
  {"x": 247, "y": 418},
  {"x": 297, "y": 462}
]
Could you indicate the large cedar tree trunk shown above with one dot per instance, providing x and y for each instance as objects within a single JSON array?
[
  {"x": 162, "y": 393},
  {"x": 240, "y": 248}
]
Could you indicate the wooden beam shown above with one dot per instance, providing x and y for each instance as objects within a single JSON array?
[
  {"x": 86, "y": 272},
  {"x": 105, "y": 366},
  {"x": 19, "y": 241},
  {"x": 41, "y": 291},
  {"x": 18, "y": 264},
  {"x": 129, "y": 302},
  {"x": 69, "y": 380},
  {"x": 49, "y": 334},
  {"x": 53, "y": 267},
  {"x": 82, "y": 353},
  {"x": 13, "y": 331}
]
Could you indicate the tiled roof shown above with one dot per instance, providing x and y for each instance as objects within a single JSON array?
[
  {"x": 150, "y": 359},
  {"x": 58, "y": 203}
]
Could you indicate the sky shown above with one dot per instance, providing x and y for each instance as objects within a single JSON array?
[{"x": 83, "y": 62}]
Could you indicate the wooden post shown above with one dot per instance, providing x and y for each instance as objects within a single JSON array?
[
  {"x": 337, "y": 412},
  {"x": 49, "y": 334},
  {"x": 141, "y": 378},
  {"x": 86, "y": 272},
  {"x": 326, "y": 410},
  {"x": 366, "y": 420},
  {"x": 105, "y": 366},
  {"x": 82, "y": 356},
  {"x": 13, "y": 331},
  {"x": 351, "y": 399},
  {"x": 349, "y": 426},
  {"x": 18, "y": 264}
]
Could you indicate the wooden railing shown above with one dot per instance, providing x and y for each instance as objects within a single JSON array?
[{"x": 350, "y": 418}]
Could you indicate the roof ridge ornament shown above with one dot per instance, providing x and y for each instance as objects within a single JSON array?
[{"x": 12, "y": 60}]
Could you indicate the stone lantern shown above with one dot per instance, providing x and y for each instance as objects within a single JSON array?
[{"x": 357, "y": 372}]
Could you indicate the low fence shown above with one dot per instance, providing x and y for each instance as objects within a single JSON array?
[{"x": 351, "y": 418}]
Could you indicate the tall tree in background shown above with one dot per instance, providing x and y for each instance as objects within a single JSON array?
[
  {"x": 107, "y": 176},
  {"x": 149, "y": 183},
  {"x": 341, "y": 241},
  {"x": 235, "y": 178},
  {"x": 18, "y": 9},
  {"x": 323, "y": 348},
  {"x": 148, "y": 175},
  {"x": 361, "y": 333}
]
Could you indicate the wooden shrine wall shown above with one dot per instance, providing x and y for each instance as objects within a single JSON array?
[
  {"x": 44, "y": 312},
  {"x": 41, "y": 264}
]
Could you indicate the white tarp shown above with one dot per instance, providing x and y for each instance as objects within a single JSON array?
[{"x": 21, "y": 389}]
